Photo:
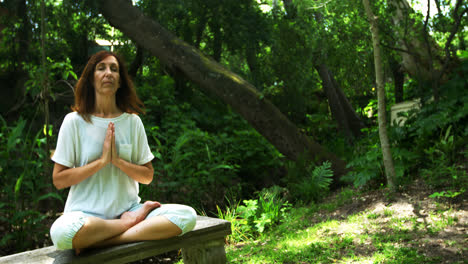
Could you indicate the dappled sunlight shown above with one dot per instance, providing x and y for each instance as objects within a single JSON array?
[
  {"x": 361, "y": 260},
  {"x": 397, "y": 232},
  {"x": 381, "y": 234}
]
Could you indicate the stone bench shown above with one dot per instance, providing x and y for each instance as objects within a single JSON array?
[{"x": 204, "y": 244}]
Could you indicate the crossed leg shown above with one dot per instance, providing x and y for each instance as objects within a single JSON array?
[{"x": 131, "y": 227}]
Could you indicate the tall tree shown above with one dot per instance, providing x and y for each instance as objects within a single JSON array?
[
  {"x": 341, "y": 109},
  {"x": 421, "y": 56},
  {"x": 384, "y": 142},
  {"x": 13, "y": 77},
  {"x": 215, "y": 79}
]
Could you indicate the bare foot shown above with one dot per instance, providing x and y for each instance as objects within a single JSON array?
[{"x": 139, "y": 215}]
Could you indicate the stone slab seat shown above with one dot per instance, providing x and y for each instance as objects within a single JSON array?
[{"x": 204, "y": 244}]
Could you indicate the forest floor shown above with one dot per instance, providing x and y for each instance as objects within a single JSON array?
[
  {"x": 367, "y": 227},
  {"x": 353, "y": 226}
]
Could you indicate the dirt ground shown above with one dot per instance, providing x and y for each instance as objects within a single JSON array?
[{"x": 413, "y": 201}]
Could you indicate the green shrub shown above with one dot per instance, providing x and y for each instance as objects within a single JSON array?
[
  {"x": 307, "y": 182},
  {"x": 438, "y": 132},
  {"x": 25, "y": 184},
  {"x": 192, "y": 170},
  {"x": 256, "y": 215},
  {"x": 200, "y": 158},
  {"x": 431, "y": 143}
]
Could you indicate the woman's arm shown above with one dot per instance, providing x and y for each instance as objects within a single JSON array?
[
  {"x": 64, "y": 177},
  {"x": 140, "y": 173}
]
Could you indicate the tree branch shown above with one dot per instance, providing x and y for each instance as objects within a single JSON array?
[
  {"x": 451, "y": 37},
  {"x": 398, "y": 49}
]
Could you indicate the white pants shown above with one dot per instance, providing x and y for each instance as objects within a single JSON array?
[{"x": 65, "y": 227}]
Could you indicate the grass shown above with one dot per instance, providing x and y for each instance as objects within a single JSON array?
[{"x": 375, "y": 233}]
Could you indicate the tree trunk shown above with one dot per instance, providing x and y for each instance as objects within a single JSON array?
[
  {"x": 398, "y": 79},
  {"x": 351, "y": 123},
  {"x": 12, "y": 81},
  {"x": 251, "y": 58},
  {"x": 342, "y": 111},
  {"x": 290, "y": 7},
  {"x": 217, "y": 42},
  {"x": 421, "y": 56},
  {"x": 136, "y": 63},
  {"x": 215, "y": 79},
  {"x": 333, "y": 100},
  {"x": 355, "y": 123},
  {"x": 387, "y": 155},
  {"x": 200, "y": 29}
]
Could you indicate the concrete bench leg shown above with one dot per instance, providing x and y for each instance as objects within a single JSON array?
[{"x": 211, "y": 252}]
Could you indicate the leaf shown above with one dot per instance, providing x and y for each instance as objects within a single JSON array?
[
  {"x": 5, "y": 239},
  {"x": 74, "y": 75},
  {"x": 208, "y": 152},
  {"x": 157, "y": 155},
  {"x": 15, "y": 134},
  {"x": 18, "y": 184},
  {"x": 49, "y": 195}
]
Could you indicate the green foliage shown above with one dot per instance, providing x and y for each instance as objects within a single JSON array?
[
  {"x": 430, "y": 143},
  {"x": 55, "y": 71},
  {"x": 366, "y": 163},
  {"x": 203, "y": 150},
  {"x": 25, "y": 184},
  {"x": 271, "y": 207},
  {"x": 366, "y": 166},
  {"x": 307, "y": 182},
  {"x": 240, "y": 231},
  {"x": 447, "y": 194},
  {"x": 389, "y": 235},
  {"x": 437, "y": 134},
  {"x": 207, "y": 148},
  {"x": 443, "y": 170},
  {"x": 256, "y": 216},
  {"x": 193, "y": 164}
]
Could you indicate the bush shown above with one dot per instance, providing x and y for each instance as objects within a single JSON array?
[
  {"x": 193, "y": 171},
  {"x": 437, "y": 134},
  {"x": 25, "y": 184},
  {"x": 307, "y": 182},
  {"x": 201, "y": 158},
  {"x": 367, "y": 164},
  {"x": 431, "y": 143},
  {"x": 256, "y": 215}
]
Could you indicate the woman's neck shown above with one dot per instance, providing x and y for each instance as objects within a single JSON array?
[{"x": 106, "y": 107}]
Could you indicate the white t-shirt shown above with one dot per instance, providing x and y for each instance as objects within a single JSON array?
[{"x": 109, "y": 192}]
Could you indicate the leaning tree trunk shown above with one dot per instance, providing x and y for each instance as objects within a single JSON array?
[
  {"x": 398, "y": 79},
  {"x": 341, "y": 109},
  {"x": 387, "y": 155},
  {"x": 136, "y": 63},
  {"x": 340, "y": 106},
  {"x": 333, "y": 101},
  {"x": 421, "y": 57},
  {"x": 215, "y": 79}
]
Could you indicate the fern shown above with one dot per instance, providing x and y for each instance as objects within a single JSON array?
[
  {"x": 309, "y": 182},
  {"x": 322, "y": 175}
]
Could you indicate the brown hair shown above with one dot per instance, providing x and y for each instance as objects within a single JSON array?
[{"x": 126, "y": 97}]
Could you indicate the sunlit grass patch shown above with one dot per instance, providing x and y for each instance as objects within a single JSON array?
[
  {"x": 394, "y": 254},
  {"x": 388, "y": 212},
  {"x": 380, "y": 233}
]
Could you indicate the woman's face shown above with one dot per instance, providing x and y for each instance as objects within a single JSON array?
[{"x": 106, "y": 76}]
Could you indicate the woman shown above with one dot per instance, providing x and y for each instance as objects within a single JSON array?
[{"x": 102, "y": 153}]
